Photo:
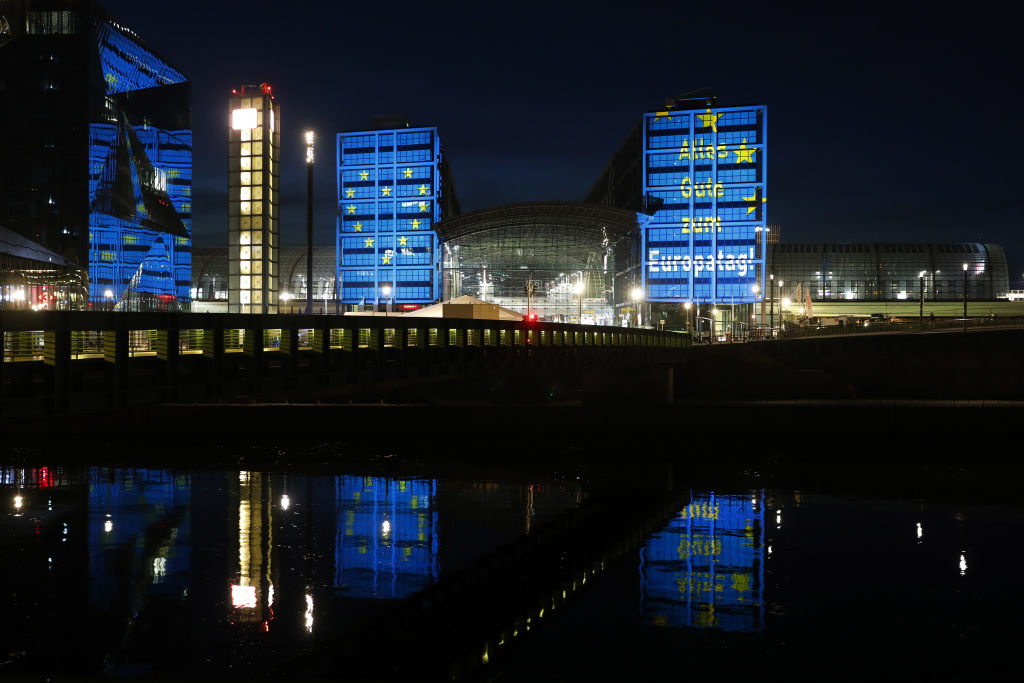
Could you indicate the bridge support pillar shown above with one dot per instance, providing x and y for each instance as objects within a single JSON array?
[
  {"x": 167, "y": 349},
  {"x": 252, "y": 348},
  {"x": 57, "y": 354},
  {"x": 115, "y": 353}
]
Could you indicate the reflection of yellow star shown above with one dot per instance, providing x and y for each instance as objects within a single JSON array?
[
  {"x": 710, "y": 119},
  {"x": 415, "y": 224},
  {"x": 402, "y": 241},
  {"x": 385, "y": 191},
  {"x": 424, "y": 189},
  {"x": 386, "y": 259},
  {"x": 662, "y": 115},
  {"x": 753, "y": 203},
  {"x": 368, "y": 242},
  {"x": 407, "y": 172},
  {"x": 350, "y": 193},
  {"x": 744, "y": 154},
  {"x": 359, "y": 226},
  {"x": 424, "y": 207},
  {"x": 364, "y": 175},
  {"x": 351, "y": 208}
]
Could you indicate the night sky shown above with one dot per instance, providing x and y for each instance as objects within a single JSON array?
[{"x": 888, "y": 126}]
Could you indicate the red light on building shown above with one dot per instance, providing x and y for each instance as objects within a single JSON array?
[
  {"x": 265, "y": 87},
  {"x": 411, "y": 307}
]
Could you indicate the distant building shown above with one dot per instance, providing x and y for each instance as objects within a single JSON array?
[
  {"x": 254, "y": 150},
  {"x": 394, "y": 185},
  {"x": 888, "y": 272},
  {"x": 96, "y": 162}
]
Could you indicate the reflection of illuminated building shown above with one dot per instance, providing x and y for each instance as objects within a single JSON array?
[
  {"x": 253, "y": 153},
  {"x": 387, "y": 536},
  {"x": 253, "y": 588},
  {"x": 706, "y": 569},
  {"x": 145, "y": 513}
]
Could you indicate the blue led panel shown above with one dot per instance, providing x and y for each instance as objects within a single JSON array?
[
  {"x": 706, "y": 568},
  {"x": 389, "y": 187},
  {"x": 387, "y": 536},
  {"x": 705, "y": 173}
]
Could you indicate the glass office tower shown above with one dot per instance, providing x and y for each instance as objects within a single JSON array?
[
  {"x": 254, "y": 149},
  {"x": 393, "y": 186},
  {"x": 100, "y": 170}
]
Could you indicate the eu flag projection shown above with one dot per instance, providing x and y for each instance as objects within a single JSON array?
[
  {"x": 390, "y": 194},
  {"x": 704, "y": 184}
]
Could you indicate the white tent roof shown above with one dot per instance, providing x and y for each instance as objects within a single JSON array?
[{"x": 466, "y": 307}]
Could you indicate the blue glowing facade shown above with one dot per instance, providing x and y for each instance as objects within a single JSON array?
[
  {"x": 704, "y": 186},
  {"x": 392, "y": 190},
  {"x": 387, "y": 536},
  {"x": 140, "y": 180},
  {"x": 706, "y": 568}
]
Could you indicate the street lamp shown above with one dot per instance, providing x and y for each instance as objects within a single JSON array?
[
  {"x": 286, "y": 297},
  {"x": 386, "y": 291},
  {"x": 108, "y": 294},
  {"x": 638, "y": 296},
  {"x": 920, "y": 314},
  {"x": 965, "y": 297},
  {"x": 755, "y": 289},
  {"x": 309, "y": 223},
  {"x": 771, "y": 303},
  {"x": 687, "y": 307},
  {"x": 578, "y": 289}
]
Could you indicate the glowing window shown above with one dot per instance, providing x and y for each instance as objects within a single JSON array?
[{"x": 242, "y": 119}]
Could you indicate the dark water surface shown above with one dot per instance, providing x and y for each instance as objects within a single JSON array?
[{"x": 566, "y": 569}]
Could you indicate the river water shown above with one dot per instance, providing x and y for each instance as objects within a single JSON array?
[{"x": 261, "y": 566}]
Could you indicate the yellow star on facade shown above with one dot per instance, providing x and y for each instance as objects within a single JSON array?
[
  {"x": 424, "y": 189},
  {"x": 744, "y": 153},
  {"x": 415, "y": 224},
  {"x": 662, "y": 115},
  {"x": 349, "y": 193},
  {"x": 753, "y": 203},
  {"x": 368, "y": 242},
  {"x": 424, "y": 207},
  {"x": 358, "y": 226},
  {"x": 364, "y": 175},
  {"x": 710, "y": 119},
  {"x": 403, "y": 241},
  {"x": 351, "y": 208},
  {"x": 407, "y": 172},
  {"x": 385, "y": 191},
  {"x": 385, "y": 259}
]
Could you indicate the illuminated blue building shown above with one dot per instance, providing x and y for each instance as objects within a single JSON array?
[
  {"x": 393, "y": 187},
  {"x": 102, "y": 170},
  {"x": 387, "y": 536},
  {"x": 704, "y": 181},
  {"x": 706, "y": 568}
]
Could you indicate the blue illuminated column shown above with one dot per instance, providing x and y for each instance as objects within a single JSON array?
[
  {"x": 389, "y": 199},
  {"x": 705, "y": 170}
]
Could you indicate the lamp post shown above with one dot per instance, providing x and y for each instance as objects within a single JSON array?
[
  {"x": 771, "y": 304},
  {"x": 309, "y": 222},
  {"x": 714, "y": 314},
  {"x": 638, "y": 296},
  {"x": 687, "y": 307},
  {"x": 755, "y": 289},
  {"x": 783, "y": 304},
  {"x": 578, "y": 290},
  {"x": 108, "y": 294},
  {"x": 921, "y": 311},
  {"x": 386, "y": 291},
  {"x": 965, "y": 297}
]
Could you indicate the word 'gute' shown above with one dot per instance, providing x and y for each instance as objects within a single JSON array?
[{"x": 706, "y": 189}]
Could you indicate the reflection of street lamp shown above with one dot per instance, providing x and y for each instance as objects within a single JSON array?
[
  {"x": 578, "y": 289},
  {"x": 638, "y": 296}
]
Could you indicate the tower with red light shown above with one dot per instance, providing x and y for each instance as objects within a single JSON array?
[{"x": 254, "y": 144}]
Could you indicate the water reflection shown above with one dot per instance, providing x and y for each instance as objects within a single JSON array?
[
  {"x": 387, "y": 536},
  {"x": 706, "y": 568}
]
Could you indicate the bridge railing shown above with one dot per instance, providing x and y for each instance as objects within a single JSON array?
[
  {"x": 56, "y": 361},
  {"x": 797, "y": 330}
]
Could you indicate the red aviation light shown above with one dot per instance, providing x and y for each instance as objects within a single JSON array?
[{"x": 265, "y": 87}]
